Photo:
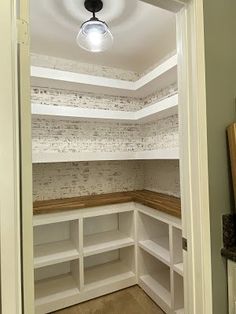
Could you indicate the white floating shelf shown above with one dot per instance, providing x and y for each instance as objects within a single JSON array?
[
  {"x": 106, "y": 274},
  {"x": 157, "y": 248},
  {"x": 55, "y": 289},
  {"x": 162, "y": 109},
  {"x": 53, "y": 253},
  {"x": 160, "y": 294},
  {"x": 179, "y": 268},
  {"x": 169, "y": 153},
  {"x": 180, "y": 311},
  {"x": 161, "y": 76},
  {"x": 105, "y": 241}
]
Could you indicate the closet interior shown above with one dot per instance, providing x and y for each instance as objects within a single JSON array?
[{"x": 106, "y": 183}]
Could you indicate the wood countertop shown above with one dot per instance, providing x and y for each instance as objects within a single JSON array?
[{"x": 162, "y": 202}]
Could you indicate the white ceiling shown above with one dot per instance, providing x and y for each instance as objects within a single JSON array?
[{"x": 143, "y": 34}]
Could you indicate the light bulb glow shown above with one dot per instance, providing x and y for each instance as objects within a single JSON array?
[{"x": 94, "y": 36}]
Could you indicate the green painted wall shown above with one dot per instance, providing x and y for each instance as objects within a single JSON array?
[{"x": 220, "y": 54}]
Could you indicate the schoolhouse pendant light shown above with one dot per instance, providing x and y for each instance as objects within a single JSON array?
[{"x": 94, "y": 35}]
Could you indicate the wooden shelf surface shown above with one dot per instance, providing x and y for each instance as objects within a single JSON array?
[{"x": 162, "y": 202}]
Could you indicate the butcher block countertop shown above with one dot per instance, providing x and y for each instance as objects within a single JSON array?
[{"x": 162, "y": 202}]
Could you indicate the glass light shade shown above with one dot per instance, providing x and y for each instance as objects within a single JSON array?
[{"x": 95, "y": 36}]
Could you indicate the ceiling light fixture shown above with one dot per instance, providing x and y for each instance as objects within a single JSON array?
[{"x": 94, "y": 35}]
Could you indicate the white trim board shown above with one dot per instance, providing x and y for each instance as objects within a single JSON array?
[
  {"x": 159, "y": 110},
  {"x": 44, "y": 157},
  {"x": 162, "y": 76}
]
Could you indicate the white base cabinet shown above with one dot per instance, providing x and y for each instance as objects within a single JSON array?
[{"x": 86, "y": 253}]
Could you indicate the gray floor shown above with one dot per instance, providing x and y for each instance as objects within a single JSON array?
[{"x": 128, "y": 301}]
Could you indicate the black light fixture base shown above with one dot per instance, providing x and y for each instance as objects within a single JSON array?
[{"x": 93, "y": 6}]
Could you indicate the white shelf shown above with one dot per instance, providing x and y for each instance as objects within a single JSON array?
[
  {"x": 158, "y": 248},
  {"x": 105, "y": 274},
  {"x": 53, "y": 289},
  {"x": 64, "y": 278},
  {"x": 159, "y": 292},
  {"x": 180, "y": 311},
  {"x": 105, "y": 241},
  {"x": 160, "y": 110},
  {"x": 44, "y": 157},
  {"x": 179, "y": 268},
  {"x": 162, "y": 76},
  {"x": 53, "y": 253}
]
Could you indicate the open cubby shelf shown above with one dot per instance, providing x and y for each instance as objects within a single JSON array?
[
  {"x": 112, "y": 231},
  {"x": 91, "y": 252},
  {"x": 105, "y": 241},
  {"x": 55, "y": 243},
  {"x": 57, "y": 281},
  {"x": 54, "y": 252},
  {"x": 108, "y": 268}
]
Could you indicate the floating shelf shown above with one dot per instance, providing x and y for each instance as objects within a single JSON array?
[
  {"x": 161, "y": 76},
  {"x": 179, "y": 268},
  {"x": 105, "y": 241},
  {"x": 162, "y": 109},
  {"x": 169, "y": 153},
  {"x": 157, "y": 248},
  {"x": 54, "y": 252}
]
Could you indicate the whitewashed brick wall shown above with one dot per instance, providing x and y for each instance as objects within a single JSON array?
[
  {"x": 73, "y": 179},
  {"x": 60, "y": 97},
  {"x": 162, "y": 176},
  {"x": 83, "y": 68},
  {"x": 53, "y": 135},
  {"x": 59, "y": 180},
  {"x": 51, "y": 181}
]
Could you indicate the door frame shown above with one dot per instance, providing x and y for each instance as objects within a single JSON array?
[
  {"x": 193, "y": 152},
  {"x": 11, "y": 298},
  {"x": 16, "y": 286},
  {"x": 16, "y": 228}
]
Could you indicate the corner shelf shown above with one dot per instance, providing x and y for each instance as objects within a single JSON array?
[
  {"x": 45, "y": 157},
  {"x": 161, "y": 76},
  {"x": 161, "y": 109}
]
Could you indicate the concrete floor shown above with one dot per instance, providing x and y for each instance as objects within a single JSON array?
[{"x": 128, "y": 301}]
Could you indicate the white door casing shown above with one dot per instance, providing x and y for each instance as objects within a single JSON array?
[
  {"x": 9, "y": 164},
  {"x": 194, "y": 178},
  {"x": 193, "y": 153}
]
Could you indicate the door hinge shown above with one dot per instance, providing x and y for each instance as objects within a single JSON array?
[
  {"x": 184, "y": 244},
  {"x": 22, "y": 32}
]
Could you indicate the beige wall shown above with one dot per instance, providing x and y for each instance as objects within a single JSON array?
[{"x": 220, "y": 53}]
